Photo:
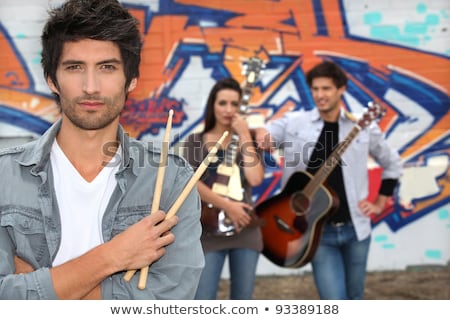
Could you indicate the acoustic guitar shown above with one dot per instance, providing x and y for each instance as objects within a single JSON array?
[
  {"x": 227, "y": 179},
  {"x": 294, "y": 218}
]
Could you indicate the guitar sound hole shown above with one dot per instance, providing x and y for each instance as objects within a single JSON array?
[{"x": 299, "y": 203}]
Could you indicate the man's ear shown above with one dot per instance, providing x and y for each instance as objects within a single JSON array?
[
  {"x": 132, "y": 85},
  {"x": 53, "y": 87}
]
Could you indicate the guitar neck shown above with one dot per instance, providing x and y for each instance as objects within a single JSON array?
[
  {"x": 231, "y": 154},
  {"x": 233, "y": 146},
  {"x": 331, "y": 162}
]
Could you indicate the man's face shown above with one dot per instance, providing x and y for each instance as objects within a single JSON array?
[
  {"x": 326, "y": 95},
  {"x": 91, "y": 83}
]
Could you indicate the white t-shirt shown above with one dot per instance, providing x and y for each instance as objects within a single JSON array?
[{"x": 81, "y": 204}]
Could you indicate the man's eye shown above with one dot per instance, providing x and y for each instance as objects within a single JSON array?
[
  {"x": 109, "y": 67},
  {"x": 73, "y": 67}
]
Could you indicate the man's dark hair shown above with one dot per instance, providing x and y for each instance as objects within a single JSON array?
[
  {"x": 327, "y": 69},
  {"x": 226, "y": 83},
  {"x": 104, "y": 20}
]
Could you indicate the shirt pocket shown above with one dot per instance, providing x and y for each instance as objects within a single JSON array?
[
  {"x": 26, "y": 229},
  {"x": 127, "y": 216},
  {"x": 297, "y": 148}
]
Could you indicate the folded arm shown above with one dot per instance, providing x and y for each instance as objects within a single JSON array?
[{"x": 138, "y": 246}]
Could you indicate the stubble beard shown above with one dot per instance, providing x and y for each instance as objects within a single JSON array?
[
  {"x": 94, "y": 119},
  {"x": 329, "y": 107}
]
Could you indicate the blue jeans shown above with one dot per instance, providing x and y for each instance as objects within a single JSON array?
[
  {"x": 242, "y": 264},
  {"x": 339, "y": 264}
]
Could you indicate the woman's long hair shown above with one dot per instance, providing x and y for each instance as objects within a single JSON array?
[{"x": 227, "y": 83}]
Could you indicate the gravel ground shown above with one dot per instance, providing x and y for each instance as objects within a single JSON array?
[{"x": 423, "y": 283}]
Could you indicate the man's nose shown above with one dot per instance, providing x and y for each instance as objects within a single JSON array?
[
  {"x": 320, "y": 92},
  {"x": 91, "y": 82}
]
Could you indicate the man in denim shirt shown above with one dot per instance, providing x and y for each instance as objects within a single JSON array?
[
  {"x": 308, "y": 138},
  {"x": 74, "y": 204}
]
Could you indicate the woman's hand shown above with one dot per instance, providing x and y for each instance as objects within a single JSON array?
[
  {"x": 237, "y": 212},
  {"x": 240, "y": 126}
]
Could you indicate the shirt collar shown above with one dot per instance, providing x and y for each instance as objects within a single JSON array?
[
  {"x": 315, "y": 115},
  {"x": 38, "y": 155}
]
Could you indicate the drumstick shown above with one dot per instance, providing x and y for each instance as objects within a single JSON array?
[
  {"x": 183, "y": 195},
  {"x": 156, "y": 195}
]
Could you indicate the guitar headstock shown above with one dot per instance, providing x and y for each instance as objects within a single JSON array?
[
  {"x": 374, "y": 111},
  {"x": 252, "y": 70}
]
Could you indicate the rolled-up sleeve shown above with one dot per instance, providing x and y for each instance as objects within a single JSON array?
[{"x": 277, "y": 129}]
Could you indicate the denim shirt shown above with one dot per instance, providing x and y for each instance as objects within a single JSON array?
[
  {"x": 30, "y": 225},
  {"x": 296, "y": 133}
]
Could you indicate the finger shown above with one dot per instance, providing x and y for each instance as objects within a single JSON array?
[
  {"x": 244, "y": 220},
  {"x": 156, "y": 217},
  {"x": 154, "y": 256},
  {"x": 172, "y": 221},
  {"x": 159, "y": 216},
  {"x": 236, "y": 224},
  {"x": 367, "y": 210},
  {"x": 165, "y": 239},
  {"x": 166, "y": 225}
]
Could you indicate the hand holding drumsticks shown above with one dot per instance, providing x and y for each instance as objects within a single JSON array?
[
  {"x": 187, "y": 189},
  {"x": 156, "y": 195}
]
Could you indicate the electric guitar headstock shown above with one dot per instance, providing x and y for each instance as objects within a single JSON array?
[{"x": 252, "y": 69}]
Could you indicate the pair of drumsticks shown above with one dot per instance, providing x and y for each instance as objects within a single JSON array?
[{"x": 183, "y": 195}]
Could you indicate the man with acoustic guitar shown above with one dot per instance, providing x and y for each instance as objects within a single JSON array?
[{"x": 308, "y": 138}]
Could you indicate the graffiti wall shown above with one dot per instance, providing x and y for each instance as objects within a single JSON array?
[{"x": 394, "y": 52}]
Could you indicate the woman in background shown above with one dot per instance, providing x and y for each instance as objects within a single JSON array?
[{"x": 245, "y": 244}]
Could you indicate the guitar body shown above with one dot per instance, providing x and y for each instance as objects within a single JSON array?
[
  {"x": 215, "y": 221},
  {"x": 291, "y": 237},
  {"x": 228, "y": 182},
  {"x": 225, "y": 181}
]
